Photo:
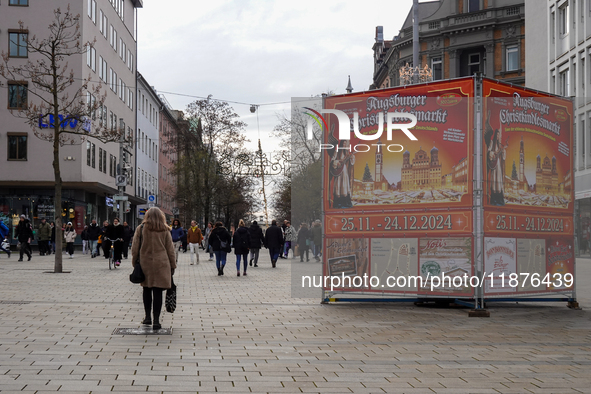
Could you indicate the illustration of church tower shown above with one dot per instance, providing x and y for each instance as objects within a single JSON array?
[
  {"x": 379, "y": 164},
  {"x": 521, "y": 161}
]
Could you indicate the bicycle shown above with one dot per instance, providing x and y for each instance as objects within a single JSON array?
[{"x": 112, "y": 252}]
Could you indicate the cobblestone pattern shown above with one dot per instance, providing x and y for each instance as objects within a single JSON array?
[{"x": 246, "y": 334}]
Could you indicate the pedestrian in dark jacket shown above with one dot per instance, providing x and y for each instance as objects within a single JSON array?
[
  {"x": 105, "y": 244},
  {"x": 274, "y": 242},
  {"x": 24, "y": 234},
  {"x": 93, "y": 234},
  {"x": 304, "y": 236},
  {"x": 85, "y": 242},
  {"x": 44, "y": 233},
  {"x": 127, "y": 237},
  {"x": 257, "y": 239},
  {"x": 316, "y": 232},
  {"x": 241, "y": 242},
  {"x": 177, "y": 232},
  {"x": 218, "y": 236}
]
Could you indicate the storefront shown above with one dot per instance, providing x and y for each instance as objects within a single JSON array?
[{"x": 583, "y": 225}]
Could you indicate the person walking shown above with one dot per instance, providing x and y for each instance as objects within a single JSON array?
[
  {"x": 220, "y": 235},
  {"x": 70, "y": 237},
  {"x": 257, "y": 239},
  {"x": 115, "y": 234},
  {"x": 241, "y": 241},
  {"x": 291, "y": 237},
  {"x": 274, "y": 242},
  {"x": 93, "y": 235},
  {"x": 303, "y": 241},
  {"x": 127, "y": 237},
  {"x": 206, "y": 240},
  {"x": 194, "y": 238},
  {"x": 152, "y": 246},
  {"x": 105, "y": 243},
  {"x": 317, "y": 239},
  {"x": 24, "y": 234},
  {"x": 177, "y": 233},
  {"x": 4, "y": 231},
  {"x": 44, "y": 232},
  {"x": 84, "y": 237}
]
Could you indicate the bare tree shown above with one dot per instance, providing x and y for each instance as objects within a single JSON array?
[{"x": 57, "y": 97}]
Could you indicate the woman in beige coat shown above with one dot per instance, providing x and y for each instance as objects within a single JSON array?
[{"x": 157, "y": 260}]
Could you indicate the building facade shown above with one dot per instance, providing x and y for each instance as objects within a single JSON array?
[
  {"x": 88, "y": 167},
  {"x": 457, "y": 38},
  {"x": 147, "y": 145},
  {"x": 559, "y": 62},
  {"x": 168, "y": 157}
]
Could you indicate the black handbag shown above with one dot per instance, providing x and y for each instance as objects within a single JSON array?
[
  {"x": 170, "y": 301},
  {"x": 137, "y": 276}
]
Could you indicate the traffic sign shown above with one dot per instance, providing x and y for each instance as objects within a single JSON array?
[
  {"x": 175, "y": 211},
  {"x": 117, "y": 197},
  {"x": 151, "y": 205},
  {"x": 151, "y": 198},
  {"x": 121, "y": 180}
]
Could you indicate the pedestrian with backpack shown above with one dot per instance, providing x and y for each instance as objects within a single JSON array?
[
  {"x": 241, "y": 242},
  {"x": 257, "y": 239},
  {"x": 219, "y": 241}
]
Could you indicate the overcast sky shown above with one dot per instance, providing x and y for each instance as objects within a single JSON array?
[{"x": 260, "y": 52}]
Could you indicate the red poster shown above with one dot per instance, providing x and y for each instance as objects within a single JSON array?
[
  {"x": 527, "y": 150},
  {"x": 393, "y": 174}
]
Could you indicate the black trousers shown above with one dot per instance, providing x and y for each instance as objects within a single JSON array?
[
  {"x": 156, "y": 305},
  {"x": 25, "y": 248},
  {"x": 43, "y": 247},
  {"x": 125, "y": 248}
]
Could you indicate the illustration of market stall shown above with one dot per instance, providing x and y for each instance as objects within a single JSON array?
[{"x": 478, "y": 208}]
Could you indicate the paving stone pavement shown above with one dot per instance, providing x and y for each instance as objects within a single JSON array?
[{"x": 247, "y": 334}]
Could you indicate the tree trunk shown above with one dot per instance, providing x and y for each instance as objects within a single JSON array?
[{"x": 57, "y": 201}]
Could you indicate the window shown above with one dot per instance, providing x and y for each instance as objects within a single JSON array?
[
  {"x": 17, "y": 146},
  {"x": 473, "y": 5},
  {"x": 17, "y": 95},
  {"x": 105, "y": 161},
  {"x": 563, "y": 20},
  {"x": 103, "y": 69},
  {"x": 512, "y": 58},
  {"x": 553, "y": 26},
  {"x": 130, "y": 99},
  {"x": 92, "y": 10},
  {"x": 91, "y": 58},
  {"x": 112, "y": 166},
  {"x": 436, "y": 66},
  {"x": 101, "y": 159},
  {"x": 473, "y": 63},
  {"x": 105, "y": 23},
  {"x": 122, "y": 90},
  {"x": 88, "y": 146},
  {"x": 564, "y": 83},
  {"x": 17, "y": 44},
  {"x": 19, "y": 2},
  {"x": 130, "y": 60}
]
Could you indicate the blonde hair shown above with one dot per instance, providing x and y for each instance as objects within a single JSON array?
[
  {"x": 155, "y": 220},
  {"x": 241, "y": 223}
]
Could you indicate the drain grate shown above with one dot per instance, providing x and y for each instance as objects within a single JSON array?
[
  {"x": 15, "y": 302},
  {"x": 142, "y": 331}
]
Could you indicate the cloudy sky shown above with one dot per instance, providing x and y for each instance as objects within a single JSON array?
[{"x": 261, "y": 52}]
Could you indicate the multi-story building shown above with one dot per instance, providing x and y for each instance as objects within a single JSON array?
[
  {"x": 89, "y": 167},
  {"x": 559, "y": 62},
  {"x": 167, "y": 179},
  {"x": 423, "y": 173},
  {"x": 147, "y": 140},
  {"x": 457, "y": 38}
]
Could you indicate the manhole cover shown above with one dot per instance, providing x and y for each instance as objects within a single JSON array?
[{"x": 142, "y": 331}]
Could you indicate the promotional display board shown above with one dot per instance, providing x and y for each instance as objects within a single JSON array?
[{"x": 400, "y": 207}]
